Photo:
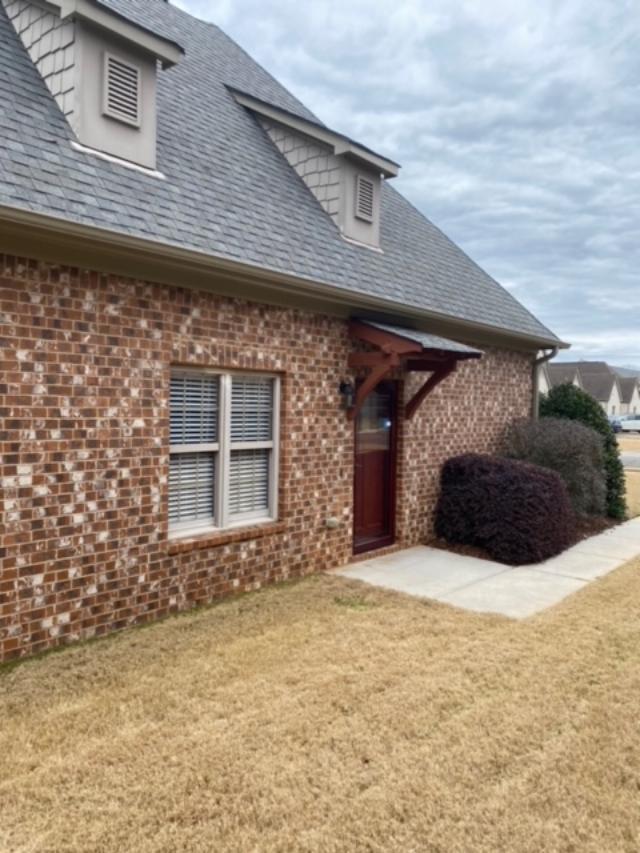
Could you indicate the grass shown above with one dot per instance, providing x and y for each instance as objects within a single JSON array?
[
  {"x": 632, "y": 479},
  {"x": 628, "y": 441},
  {"x": 326, "y": 716}
]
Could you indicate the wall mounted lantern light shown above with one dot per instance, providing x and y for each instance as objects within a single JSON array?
[{"x": 348, "y": 393}]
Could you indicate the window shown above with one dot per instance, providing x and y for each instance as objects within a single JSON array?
[
  {"x": 223, "y": 456},
  {"x": 364, "y": 198},
  {"x": 121, "y": 90}
]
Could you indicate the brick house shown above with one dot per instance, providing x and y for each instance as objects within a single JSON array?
[{"x": 231, "y": 352}]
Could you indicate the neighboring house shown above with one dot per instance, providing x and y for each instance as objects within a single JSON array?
[
  {"x": 630, "y": 394},
  {"x": 559, "y": 374},
  {"x": 232, "y": 352},
  {"x": 605, "y": 387},
  {"x": 552, "y": 374},
  {"x": 544, "y": 380},
  {"x": 584, "y": 366},
  {"x": 617, "y": 394}
]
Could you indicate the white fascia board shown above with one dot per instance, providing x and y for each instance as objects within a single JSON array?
[
  {"x": 338, "y": 143},
  {"x": 166, "y": 51}
]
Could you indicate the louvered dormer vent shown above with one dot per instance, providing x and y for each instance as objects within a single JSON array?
[
  {"x": 364, "y": 198},
  {"x": 122, "y": 85}
]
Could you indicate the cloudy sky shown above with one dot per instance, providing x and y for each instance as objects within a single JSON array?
[{"x": 517, "y": 125}]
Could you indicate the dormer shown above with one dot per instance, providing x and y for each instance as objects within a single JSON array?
[
  {"x": 102, "y": 70},
  {"x": 344, "y": 176}
]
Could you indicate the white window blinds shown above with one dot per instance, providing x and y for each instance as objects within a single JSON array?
[
  {"x": 252, "y": 442},
  {"x": 223, "y": 460},
  {"x": 251, "y": 409},
  {"x": 191, "y": 488},
  {"x": 194, "y": 409},
  {"x": 194, "y": 416},
  {"x": 249, "y": 481}
]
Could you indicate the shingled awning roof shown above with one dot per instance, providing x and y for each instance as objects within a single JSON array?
[{"x": 407, "y": 349}]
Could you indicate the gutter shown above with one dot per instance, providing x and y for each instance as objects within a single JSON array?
[
  {"x": 80, "y": 237},
  {"x": 537, "y": 362}
]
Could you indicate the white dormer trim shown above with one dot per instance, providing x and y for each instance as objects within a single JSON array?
[
  {"x": 339, "y": 144},
  {"x": 84, "y": 149},
  {"x": 169, "y": 53}
]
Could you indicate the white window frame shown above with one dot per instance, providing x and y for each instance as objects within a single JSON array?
[{"x": 224, "y": 520}]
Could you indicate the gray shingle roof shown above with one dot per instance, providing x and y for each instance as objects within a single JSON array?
[
  {"x": 427, "y": 340},
  {"x": 599, "y": 385},
  {"x": 228, "y": 191},
  {"x": 627, "y": 386},
  {"x": 559, "y": 374}
]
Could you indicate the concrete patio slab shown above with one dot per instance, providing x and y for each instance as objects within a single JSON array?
[
  {"x": 489, "y": 587},
  {"x": 429, "y": 572}
]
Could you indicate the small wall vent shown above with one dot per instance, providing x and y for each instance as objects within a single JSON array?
[
  {"x": 122, "y": 90},
  {"x": 364, "y": 198}
]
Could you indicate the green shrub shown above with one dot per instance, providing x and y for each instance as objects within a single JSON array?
[
  {"x": 518, "y": 513},
  {"x": 571, "y": 449},
  {"x": 567, "y": 401}
]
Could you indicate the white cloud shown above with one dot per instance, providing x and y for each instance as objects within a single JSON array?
[{"x": 516, "y": 124}]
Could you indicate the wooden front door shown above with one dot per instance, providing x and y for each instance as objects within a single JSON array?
[{"x": 375, "y": 470}]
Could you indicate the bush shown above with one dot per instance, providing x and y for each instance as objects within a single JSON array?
[
  {"x": 567, "y": 401},
  {"x": 571, "y": 449},
  {"x": 519, "y": 513}
]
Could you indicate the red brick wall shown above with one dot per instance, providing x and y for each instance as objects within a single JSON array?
[{"x": 84, "y": 375}]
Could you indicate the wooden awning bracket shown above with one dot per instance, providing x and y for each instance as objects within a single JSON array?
[{"x": 436, "y": 378}]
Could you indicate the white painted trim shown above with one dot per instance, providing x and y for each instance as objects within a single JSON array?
[
  {"x": 194, "y": 448},
  {"x": 152, "y": 173},
  {"x": 362, "y": 245},
  {"x": 222, "y": 449},
  {"x": 185, "y": 529},
  {"x": 251, "y": 445},
  {"x": 274, "y": 472},
  {"x": 225, "y": 456}
]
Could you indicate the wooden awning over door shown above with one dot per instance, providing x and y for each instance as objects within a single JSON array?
[{"x": 407, "y": 349}]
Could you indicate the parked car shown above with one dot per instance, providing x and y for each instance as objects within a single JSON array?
[
  {"x": 631, "y": 423},
  {"x": 616, "y": 423}
]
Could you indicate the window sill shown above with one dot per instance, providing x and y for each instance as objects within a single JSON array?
[{"x": 224, "y": 537}]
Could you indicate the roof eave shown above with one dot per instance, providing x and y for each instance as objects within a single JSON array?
[{"x": 18, "y": 227}]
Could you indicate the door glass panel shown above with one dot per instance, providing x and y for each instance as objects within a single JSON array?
[{"x": 374, "y": 423}]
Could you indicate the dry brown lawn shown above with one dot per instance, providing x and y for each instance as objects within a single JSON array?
[
  {"x": 326, "y": 716},
  {"x": 628, "y": 441},
  {"x": 633, "y": 493}
]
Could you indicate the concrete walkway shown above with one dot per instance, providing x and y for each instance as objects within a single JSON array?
[{"x": 489, "y": 587}]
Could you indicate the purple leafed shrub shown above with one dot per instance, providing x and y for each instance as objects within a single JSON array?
[{"x": 517, "y": 512}]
